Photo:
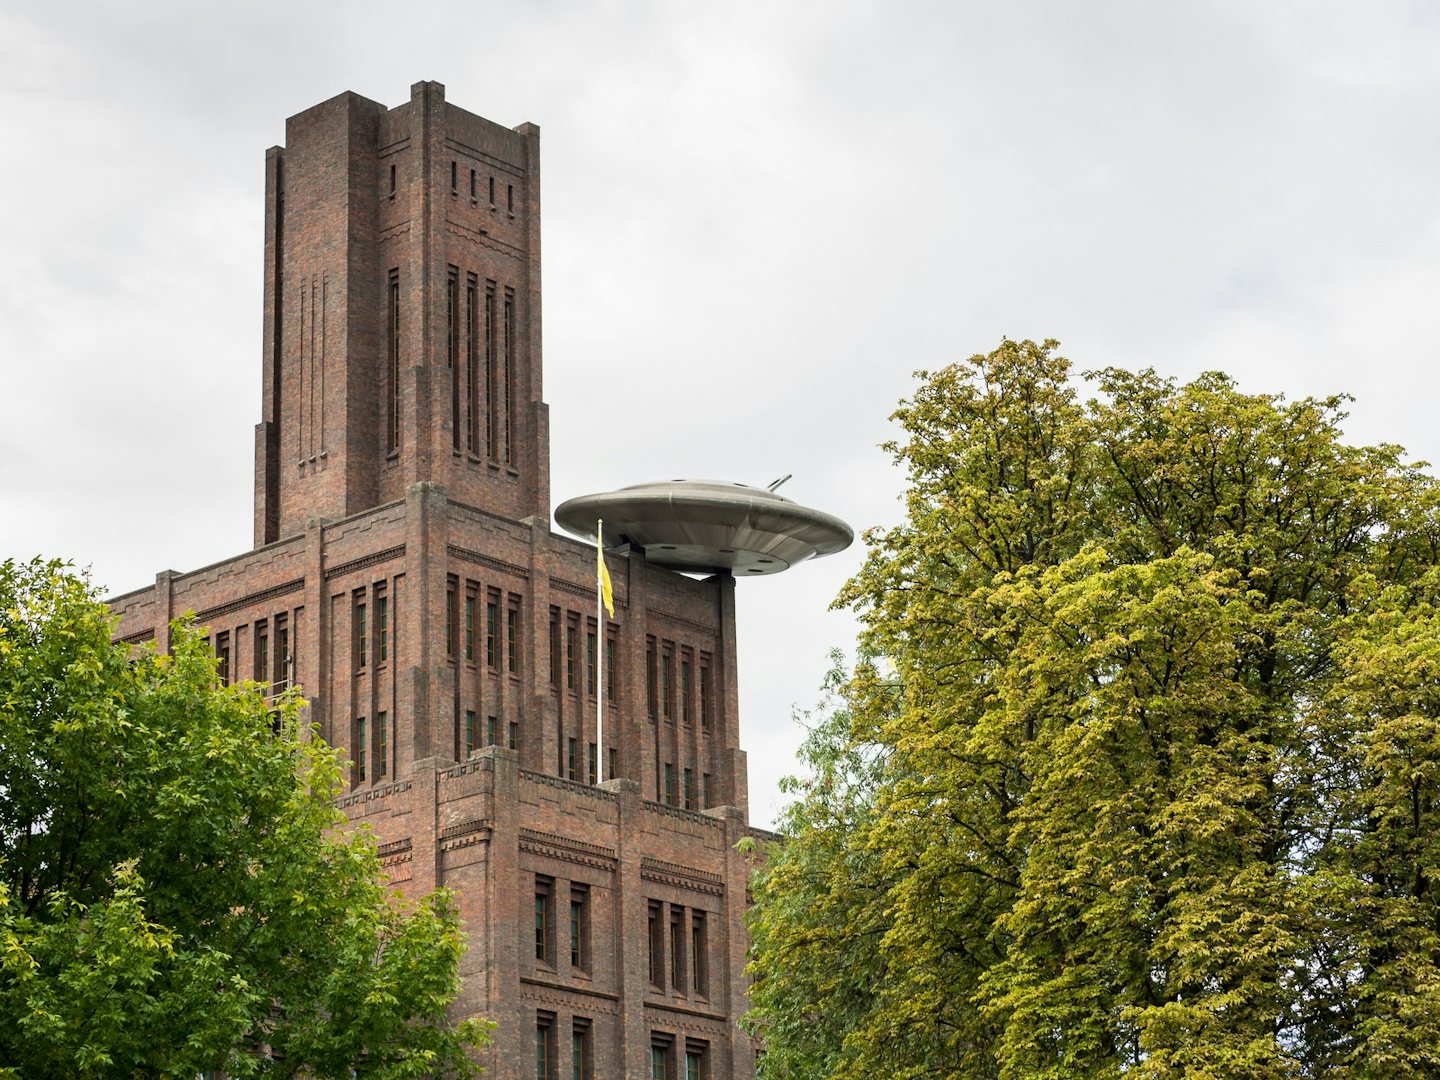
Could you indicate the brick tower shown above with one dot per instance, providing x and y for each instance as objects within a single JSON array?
[{"x": 406, "y": 577}]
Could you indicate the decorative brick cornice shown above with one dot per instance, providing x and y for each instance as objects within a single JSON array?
[
  {"x": 476, "y": 831},
  {"x": 139, "y": 637},
  {"x": 676, "y": 620},
  {"x": 567, "y": 850},
  {"x": 570, "y": 998},
  {"x": 397, "y": 552},
  {"x": 588, "y": 790},
  {"x": 485, "y": 240},
  {"x": 260, "y": 597},
  {"x": 395, "y": 852},
  {"x": 684, "y": 815},
  {"x": 385, "y": 791},
  {"x": 684, "y": 877},
  {"x": 466, "y": 555}
]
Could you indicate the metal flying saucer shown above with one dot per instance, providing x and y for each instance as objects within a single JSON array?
[{"x": 709, "y": 525}]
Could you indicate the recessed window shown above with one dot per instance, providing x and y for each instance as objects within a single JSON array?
[
  {"x": 555, "y": 657},
  {"x": 678, "y": 947},
  {"x": 382, "y": 628},
  {"x": 382, "y": 745},
  {"x": 590, "y": 660},
  {"x": 544, "y": 920},
  {"x": 470, "y": 627},
  {"x": 450, "y": 628},
  {"x": 222, "y": 657},
  {"x": 582, "y": 1065},
  {"x": 572, "y": 646},
  {"x": 362, "y": 638},
  {"x": 471, "y": 734},
  {"x": 571, "y": 765},
  {"x": 670, "y": 793},
  {"x": 655, "y": 943},
  {"x": 699, "y": 974},
  {"x": 512, "y": 637},
  {"x": 704, "y": 693},
  {"x": 580, "y": 927},
  {"x": 262, "y": 652},
  {"x": 490, "y": 734},
  {"x": 514, "y": 735},
  {"x": 361, "y": 738},
  {"x": 492, "y": 632},
  {"x": 689, "y": 789}
]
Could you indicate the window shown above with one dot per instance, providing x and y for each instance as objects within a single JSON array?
[
  {"x": 655, "y": 942},
  {"x": 677, "y": 947},
  {"x": 490, "y": 723},
  {"x": 454, "y": 177},
  {"x": 282, "y": 653},
  {"x": 514, "y": 735},
  {"x": 571, "y": 765},
  {"x": 698, "y": 966},
  {"x": 450, "y": 618},
  {"x": 472, "y": 184},
  {"x": 392, "y": 349},
  {"x": 685, "y": 690},
  {"x": 382, "y": 745},
  {"x": 360, "y": 739},
  {"x": 670, "y": 785},
  {"x": 580, "y": 927},
  {"x": 659, "y": 1063},
  {"x": 590, "y": 762},
  {"x": 694, "y": 1062},
  {"x": 452, "y": 338},
  {"x": 362, "y": 638},
  {"x": 512, "y": 638},
  {"x": 544, "y": 950},
  {"x": 492, "y": 628},
  {"x": 262, "y": 652},
  {"x": 392, "y": 181},
  {"x": 689, "y": 789},
  {"x": 651, "y": 696},
  {"x": 704, "y": 694},
  {"x": 610, "y": 666},
  {"x": 612, "y": 760},
  {"x": 471, "y": 352},
  {"x": 492, "y": 191},
  {"x": 705, "y": 791},
  {"x": 492, "y": 421},
  {"x": 470, "y": 627},
  {"x": 470, "y": 733},
  {"x": 582, "y": 1066},
  {"x": 510, "y": 197},
  {"x": 590, "y": 663},
  {"x": 222, "y": 658},
  {"x": 382, "y": 628},
  {"x": 507, "y": 415},
  {"x": 544, "y": 1052},
  {"x": 555, "y": 647},
  {"x": 572, "y": 636},
  {"x": 667, "y": 684}
]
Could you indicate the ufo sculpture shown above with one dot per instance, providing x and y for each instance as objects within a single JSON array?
[{"x": 708, "y": 526}]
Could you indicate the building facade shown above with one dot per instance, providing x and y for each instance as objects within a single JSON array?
[{"x": 406, "y": 577}]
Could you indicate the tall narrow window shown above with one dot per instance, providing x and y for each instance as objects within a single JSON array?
[
  {"x": 544, "y": 930},
  {"x": 612, "y": 762},
  {"x": 452, "y": 348},
  {"x": 610, "y": 651},
  {"x": 693, "y": 1065},
  {"x": 284, "y": 669},
  {"x": 454, "y": 177},
  {"x": 678, "y": 947},
  {"x": 652, "y": 697},
  {"x": 655, "y": 944},
  {"x": 582, "y": 1066},
  {"x": 222, "y": 658},
  {"x": 470, "y": 733},
  {"x": 471, "y": 354},
  {"x": 689, "y": 789},
  {"x": 262, "y": 652},
  {"x": 392, "y": 353},
  {"x": 514, "y": 735},
  {"x": 572, "y": 647},
  {"x": 382, "y": 628},
  {"x": 590, "y": 762},
  {"x": 492, "y": 629},
  {"x": 492, "y": 418},
  {"x": 362, "y": 638},
  {"x": 590, "y": 661},
  {"x": 572, "y": 766},
  {"x": 450, "y": 614},
  {"x": 512, "y": 637},
  {"x": 555, "y": 658},
  {"x": 469, "y": 626},
  {"x": 382, "y": 745},
  {"x": 670, "y": 785},
  {"x": 544, "y": 1052},
  {"x": 492, "y": 191},
  {"x": 472, "y": 184},
  {"x": 699, "y": 976},
  {"x": 660, "y": 1063},
  {"x": 361, "y": 738},
  {"x": 685, "y": 690},
  {"x": 490, "y": 734},
  {"x": 580, "y": 927},
  {"x": 392, "y": 181},
  {"x": 705, "y": 792},
  {"x": 704, "y": 693},
  {"x": 667, "y": 684},
  {"x": 510, "y": 197},
  {"x": 508, "y": 415}
]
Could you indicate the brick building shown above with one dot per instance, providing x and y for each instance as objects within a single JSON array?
[{"x": 406, "y": 577}]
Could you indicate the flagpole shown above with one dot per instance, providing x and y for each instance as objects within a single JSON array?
[{"x": 600, "y": 646}]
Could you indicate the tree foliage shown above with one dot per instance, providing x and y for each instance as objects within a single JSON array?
[
  {"x": 1137, "y": 773},
  {"x": 174, "y": 895}
]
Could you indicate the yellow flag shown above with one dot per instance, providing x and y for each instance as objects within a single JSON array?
[{"x": 602, "y": 574}]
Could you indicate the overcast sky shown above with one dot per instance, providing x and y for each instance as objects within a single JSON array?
[{"x": 759, "y": 220}]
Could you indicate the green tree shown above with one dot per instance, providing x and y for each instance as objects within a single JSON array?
[
  {"x": 175, "y": 896},
  {"x": 1140, "y": 762}
]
